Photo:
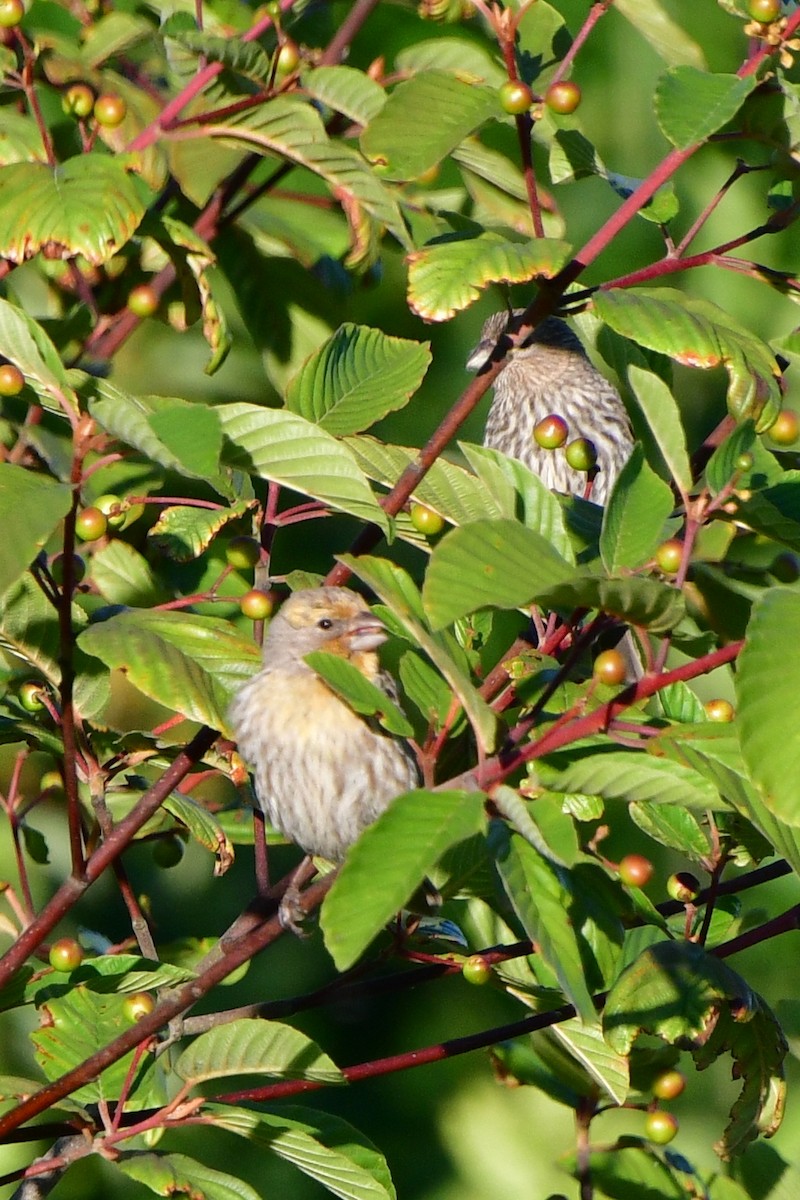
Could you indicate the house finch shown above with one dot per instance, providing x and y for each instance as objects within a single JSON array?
[
  {"x": 322, "y": 772},
  {"x": 550, "y": 374}
]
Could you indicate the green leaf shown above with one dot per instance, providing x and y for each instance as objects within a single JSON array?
[
  {"x": 403, "y": 139},
  {"x": 633, "y": 521},
  {"x": 74, "y": 1025},
  {"x": 679, "y": 992},
  {"x": 663, "y": 417},
  {"x": 244, "y": 58},
  {"x": 449, "y": 274},
  {"x": 639, "y": 601},
  {"x": 691, "y": 104},
  {"x": 294, "y": 130},
  {"x": 586, "y": 1044},
  {"x": 775, "y": 511},
  {"x": 541, "y": 896},
  {"x": 766, "y": 688},
  {"x": 183, "y": 533},
  {"x": 360, "y": 693},
  {"x": 515, "y": 487},
  {"x": 192, "y": 258},
  {"x": 347, "y": 91},
  {"x": 176, "y": 1174},
  {"x": 469, "y": 61},
  {"x": 191, "y": 664},
  {"x": 402, "y": 846},
  {"x": 356, "y": 378},
  {"x": 204, "y": 828},
  {"x": 323, "y": 1147},
  {"x": 721, "y": 467},
  {"x": 123, "y": 576},
  {"x": 28, "y": 347},
  {"x": 633, "y": 1173},
  {"x": 667, "y": 38},
  {"x": 192, "y": 434},
  {"x": 20, "y": 139},
  {"x": 496, "y": 562},
  {"x": 89, "y": 205},
  {"x": 672, "y": 826},
  {"x": 31, "y": 505},
  {"x": 631, "y": 775},
  {"x": 287, "y": 449},
  {"x": 253, "y": 1047},
  {"x": 698, "y": 334},
  {"x": 108, "y": 973}
]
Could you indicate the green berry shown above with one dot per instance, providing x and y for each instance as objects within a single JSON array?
[
  {"x": 78, "y": 100},
  {"x": 635, "y": 870},
  {"x": 426, "y": 520},
  {"x": 12, "y": 381},
  {"x": 11, "y": 13},
  {"x": 112, "y": 507},
  {"x": 137, "y": 1005},
  {"x": 744, "y": 462},
  {"x": 30, "y": 695},
  {"x": 476, "y": 970},
  {"x": 683, "y": 886},
  {"x": 660, "y": 1127},
  {"x": 110, "y": 110},
  {"x": 764, "y": 11},
  {"x": 563, "y": 97},
  {"x": 288, "y": 58},
  {"x": 719, "y": 710},
  {"x": 785, "y": 428},
  {"x": 65, "y": 954},
  {"x": 669, "y": 556},
  {"x": 143, "y": 300},
  {"x": 581, "y": 454},
  {"x": 515, "y": 97},
  {"x": 551, "y": 432},
  {"x": 242, "y": 552}
]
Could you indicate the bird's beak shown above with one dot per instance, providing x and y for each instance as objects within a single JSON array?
[
  {"x": 480, "y": 355},
  {"x": 368, "y": 633}
]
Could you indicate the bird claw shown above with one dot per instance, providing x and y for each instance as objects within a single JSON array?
[{"x": 291, "y": 913}]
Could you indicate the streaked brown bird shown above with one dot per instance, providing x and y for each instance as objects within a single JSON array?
[
  {"x": 322, "y": 773},
  {"x": 548, "y": 374}
]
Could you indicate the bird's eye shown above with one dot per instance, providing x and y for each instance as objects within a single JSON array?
[{"x": 325, "y": 623}]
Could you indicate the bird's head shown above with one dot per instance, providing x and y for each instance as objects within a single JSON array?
[
  {"x": 552, "y": 332},
  {"x": 336, "y": 620}
]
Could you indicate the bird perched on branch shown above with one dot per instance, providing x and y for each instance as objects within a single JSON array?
[
  {"x": 322, "y": 773},
  {"x": 550, "y": 375}
]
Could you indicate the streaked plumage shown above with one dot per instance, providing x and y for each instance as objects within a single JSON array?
[
  {"x": 322, "y": 773},
  {"x": 551, "y": 374}
]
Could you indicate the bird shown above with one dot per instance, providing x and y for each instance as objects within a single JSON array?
[
  {"x": 322, "y": 772},
  {"x": 550, "y": 374}
]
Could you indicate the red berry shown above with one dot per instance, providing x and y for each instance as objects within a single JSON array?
[
  {"x": 476, "y": 970},
  {"x": 242, "y": 552},
  {"x": 11, "y": 13},
  {"x": 609, "y": 667},
  {"x": 660, "y": 1127},
  {"x": 65, "y": 954},
  {"x": 110, "y": 110},
  {"x": 425, "y": 520},
  {"x": 581, "y": 454},
  {"x": 137, "y": 1005},
  {"x": 90, "y": 524},
  {"x": 551, "y": 432},
  {"x": 256, "y": 605},
  {"x": 563, "y": 97},
  {"x": 143, "y": 300},
  {"x": 669, "y": 1085},
  {"x": 12, "y": 381},
  {"x": 78, "y": 100},
  {"x": 515, "y": 97},
  {"x": 683, "y": 886},
  {"x": 635, "y": 870},
  {"x": 30, "y": 695},
  {"x": 719, "y": 710},
  {"x": 785, "y": 428},
  {"x": 669, "y": 556},
  {"x": 764, "y": 11}
]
